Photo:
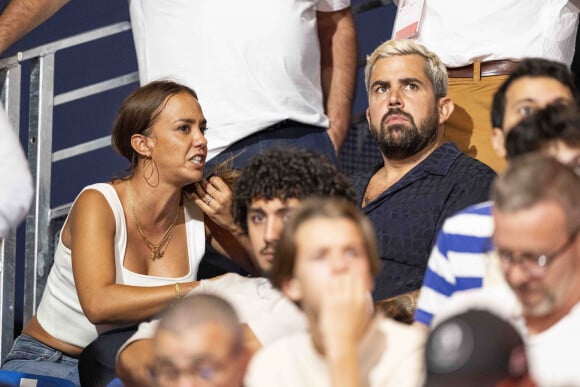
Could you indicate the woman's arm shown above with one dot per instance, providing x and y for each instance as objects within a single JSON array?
[
  {"x": 134, "y": 362},
  {"x": 90, "y": 229}
]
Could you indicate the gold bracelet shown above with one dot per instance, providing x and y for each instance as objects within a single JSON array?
[{"x": 178, "y": 294}]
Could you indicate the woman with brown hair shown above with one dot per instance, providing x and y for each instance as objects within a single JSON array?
[{"x": 132, "y": 246}]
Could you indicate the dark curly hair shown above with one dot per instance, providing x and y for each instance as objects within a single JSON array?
[{"x": 284, "y": 174}]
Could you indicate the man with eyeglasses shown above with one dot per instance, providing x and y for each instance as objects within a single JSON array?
[
  {"x": 537, "y": 227},
  {"x": 458, "y": 259},
  {"x": 536, "y": 218},
  {"x": 537, "y": 221},
  {"x": 199, "y": 342}
]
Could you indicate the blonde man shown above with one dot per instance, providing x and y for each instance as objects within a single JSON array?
[{"x": 422, "y": 180}]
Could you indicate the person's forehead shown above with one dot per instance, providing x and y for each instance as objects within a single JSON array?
[
  {"x": 206, "y": 341},
  {"x": 274, "y": 204},
  {"x": 545, "y": 218},
  {"x": 178, "y": 102},
  {"x": 322, "y": 230},
  {"x": 542, "y": 89},
  {"x": 399, "y": 66}
]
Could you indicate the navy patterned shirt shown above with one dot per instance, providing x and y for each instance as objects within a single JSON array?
[{"x": 408, "y": 215}]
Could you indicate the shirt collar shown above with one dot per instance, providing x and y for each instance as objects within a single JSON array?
[{"x": 440, "y": 160}]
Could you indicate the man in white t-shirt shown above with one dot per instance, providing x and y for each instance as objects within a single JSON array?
[
  {"x": 268, "y": 73},
  {"x": 270, "y": 186},
  {"x": 537, "y": 239},
  {"x": 480, "y": 43},
  {"x": 537, "y": 227}
]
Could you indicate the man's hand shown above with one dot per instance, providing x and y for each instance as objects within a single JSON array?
[{"x": 134, "y": 363}]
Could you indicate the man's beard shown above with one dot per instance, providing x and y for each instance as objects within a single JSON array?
[
  {"x": 545, "y": 306},
  {"x": 400, "y": 141}
]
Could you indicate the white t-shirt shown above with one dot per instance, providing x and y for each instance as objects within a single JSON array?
[
  {"x": 253, "y": 63},
  {"x": 390, "y": 353},
  {"x": 460, "y": 32},
  {"x": 553, "y": 354}
]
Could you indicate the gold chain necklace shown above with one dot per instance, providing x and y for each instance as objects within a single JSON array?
[{"x": 156, "y": 248}]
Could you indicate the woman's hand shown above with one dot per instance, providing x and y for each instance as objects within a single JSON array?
[{"x": 214, "y": 197}]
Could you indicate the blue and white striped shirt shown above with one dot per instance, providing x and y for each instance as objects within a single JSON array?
[{"x": 457, "y": 262}]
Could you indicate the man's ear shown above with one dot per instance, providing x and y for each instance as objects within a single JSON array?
[
  {"x": 292, "y": 289},
  {"x": 446, "y": 107},
  {"x": 498, "y": 142},
  {"x": 141, "y": 145},
  {"x": 368, "y": 115}
]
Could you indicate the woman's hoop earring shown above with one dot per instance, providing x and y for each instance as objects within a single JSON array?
[{"x": 148, "y": 176}]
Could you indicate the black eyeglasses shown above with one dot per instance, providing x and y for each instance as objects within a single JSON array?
[{"x": 533, "y": 263}]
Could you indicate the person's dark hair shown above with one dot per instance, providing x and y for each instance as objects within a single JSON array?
[
  {"x": 556, "y": 122},
  {"x": 139, "y": 111},
  {"x": 326, "y": 208},
  {"x": 529, "y": 67},
  {"x": 287, "y": 174}
]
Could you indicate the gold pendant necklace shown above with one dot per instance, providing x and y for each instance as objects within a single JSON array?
[{"x": 157, "y": 251}]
